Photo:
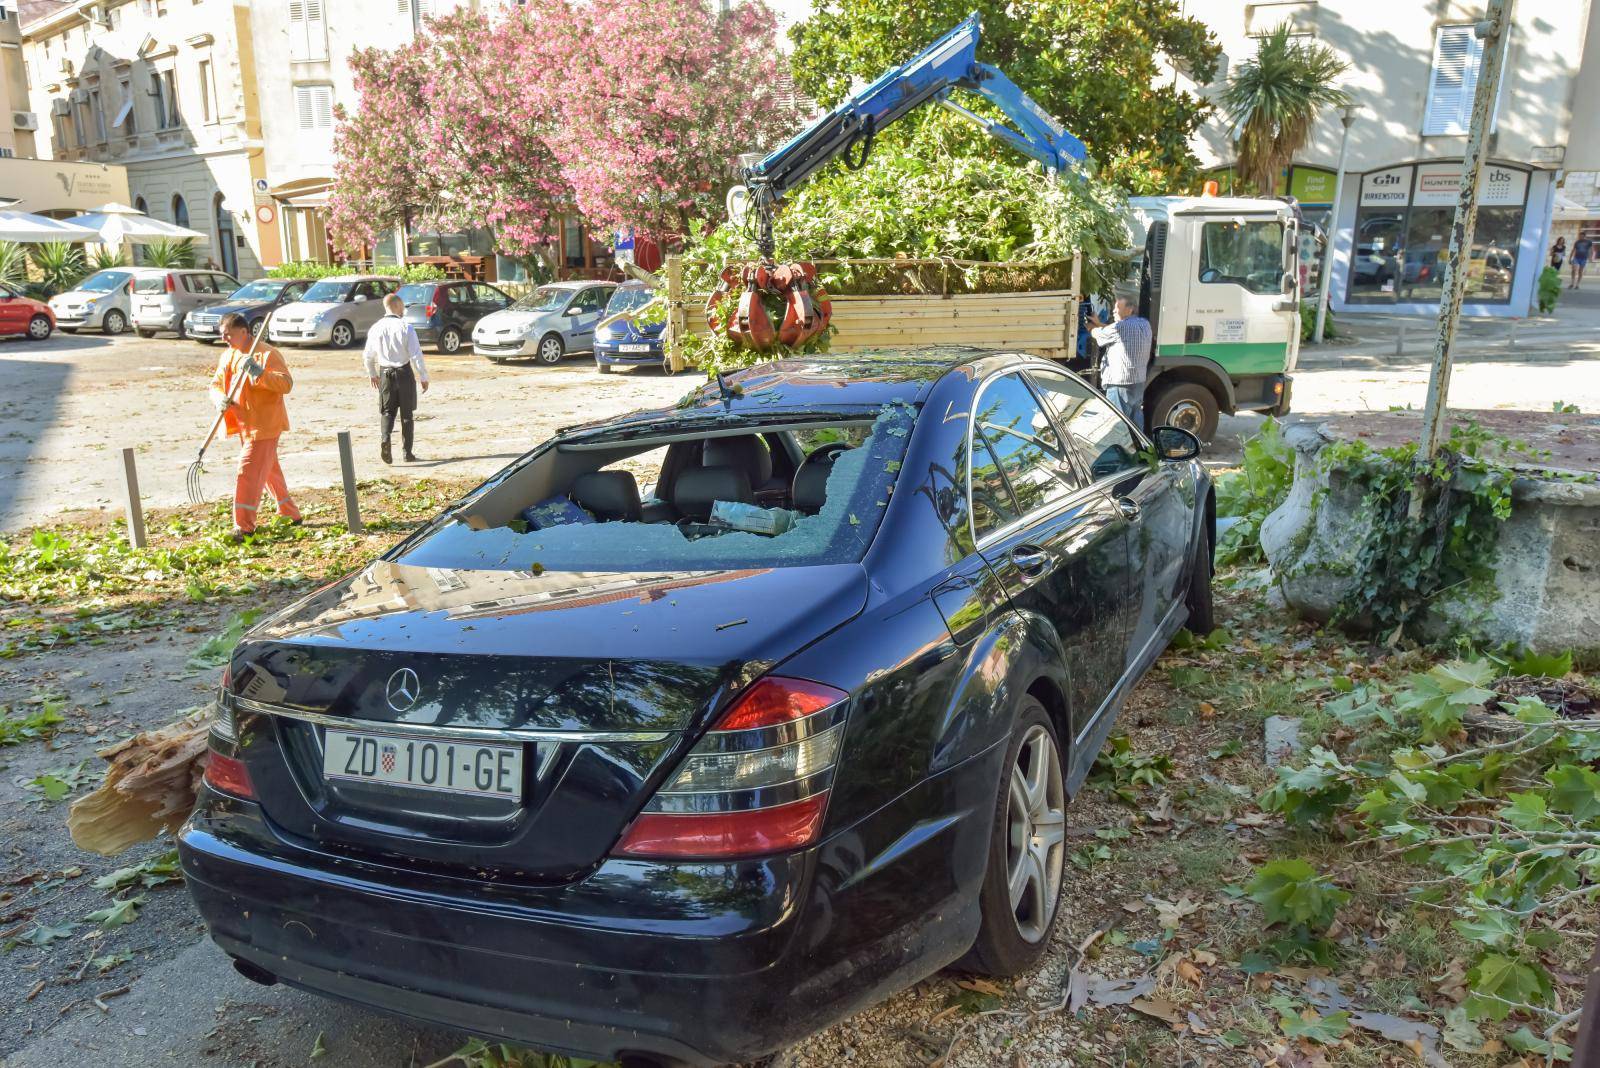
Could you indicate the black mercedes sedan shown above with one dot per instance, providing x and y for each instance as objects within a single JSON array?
[{"x": 696, "y": 730}]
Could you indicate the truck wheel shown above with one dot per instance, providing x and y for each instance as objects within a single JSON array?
[{"x": 1187, "y": 405}]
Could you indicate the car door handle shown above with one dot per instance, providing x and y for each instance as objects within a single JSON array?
[
  {"x": 1030, "y": 559},
  {"x": 1128, "y": 507}
]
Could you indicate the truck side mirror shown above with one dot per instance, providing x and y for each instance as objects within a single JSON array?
[{"x": 1289, "y": 283}]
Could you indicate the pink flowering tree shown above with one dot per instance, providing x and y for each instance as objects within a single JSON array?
[
  {"x": 448, "y": 136},
  {"x": 630, "y": 112},
  {"x": 666, "y": 94}
]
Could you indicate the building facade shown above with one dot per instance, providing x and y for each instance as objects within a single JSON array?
[
  {"x": 166, "y": 90},
  {"x": 18, "y": 123},
  {"x": 1413, "y": 68}
]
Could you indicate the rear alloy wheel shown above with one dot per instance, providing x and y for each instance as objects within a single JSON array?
[
  {"x": 1202, "y": 616},
  {"x": 1186, "y": 405},
  {"x": 1021, "y": 891},
  {"x": 450, "y": 341},
  {"x": 551, "y": 350},
  {"x": 343, "y": 335},
  {"x": 39, "y": 327},
  {"x": 115, "y": 323}
]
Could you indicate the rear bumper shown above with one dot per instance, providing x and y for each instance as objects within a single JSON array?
[
  {"x": 708, "y": 963},
  {"x": 621, "y": 962},
  {"x": 426, "y": 332},
  {"x": 157, "y": 320}
]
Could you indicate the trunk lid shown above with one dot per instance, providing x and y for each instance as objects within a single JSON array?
[{"x": 600, "y": 680}]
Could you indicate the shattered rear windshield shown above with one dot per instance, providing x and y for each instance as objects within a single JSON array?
[{"x": 831, "y": 521}]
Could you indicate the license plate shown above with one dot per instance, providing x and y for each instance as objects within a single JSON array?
[
  {"x": 451, "y": 766},
  {"x": 152, "y": 307},
  {"x": 633, "y": 348}
]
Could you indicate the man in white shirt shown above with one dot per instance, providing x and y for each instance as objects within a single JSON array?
[{"x": 391, "y": 354}]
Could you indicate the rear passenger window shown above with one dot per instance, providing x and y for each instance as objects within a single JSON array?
[
  {"x": 199, "y": 283},
  {"x": 1104, "y": 440},
  {"x": 1023, "y": 441}
]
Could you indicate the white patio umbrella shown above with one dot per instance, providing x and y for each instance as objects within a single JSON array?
[
  {"x": 116, "y": 223},
  {"x": 32, "y": 229}
]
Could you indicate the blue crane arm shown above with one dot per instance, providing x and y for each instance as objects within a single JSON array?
[{"x": 948, "y": 63}]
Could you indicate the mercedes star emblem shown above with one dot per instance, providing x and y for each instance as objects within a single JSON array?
[{"x": 402, "y": 689}]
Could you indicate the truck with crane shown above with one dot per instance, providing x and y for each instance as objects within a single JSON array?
[{"x": 1216, "y": 276}]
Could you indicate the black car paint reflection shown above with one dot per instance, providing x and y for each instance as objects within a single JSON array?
[{"x": 514, "y": 920}]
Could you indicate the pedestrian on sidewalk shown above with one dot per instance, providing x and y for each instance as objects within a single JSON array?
[
  {"x": 1125, "y": 345},
  {"x": 258, "y": 417},
  {"x": 1558, "y": 253},
  {"x": 1580, "y": 258},
  {"x": 392, "y": 353}
]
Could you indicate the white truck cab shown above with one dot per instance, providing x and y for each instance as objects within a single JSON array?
[{"x": 1218, "y": 279}]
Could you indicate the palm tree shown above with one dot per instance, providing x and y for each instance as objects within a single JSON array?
[
  {"x": 13, "y": 263},
  {"x": 1273, "y": 100},
  {"x": 60, "y": 265},
  {"x": 104, "y": 258},
  {"x": 165, "y": 253}
]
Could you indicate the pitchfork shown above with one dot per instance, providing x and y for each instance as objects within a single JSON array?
[{"x": 197, "y": 493}]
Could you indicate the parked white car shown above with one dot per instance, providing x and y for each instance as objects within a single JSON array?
[
  {"x": 103, "y": 301},
  {"x": 547, "y": 324},
  {"x": 335, "y": 311}
]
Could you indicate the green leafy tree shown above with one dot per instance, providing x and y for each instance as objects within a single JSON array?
[
  {"x": 1090, "y": 63},
  {"x": 104, "y": 258},
  {"x": 1273, "y": 99}
]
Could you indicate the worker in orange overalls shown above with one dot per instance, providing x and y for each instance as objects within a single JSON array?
[{"x": 258, "y": 417}]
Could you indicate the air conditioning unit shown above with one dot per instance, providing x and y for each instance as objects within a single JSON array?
[{"x": 24, "y": 120}]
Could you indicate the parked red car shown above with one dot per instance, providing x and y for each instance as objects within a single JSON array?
[{"x": 21, "y": 314}]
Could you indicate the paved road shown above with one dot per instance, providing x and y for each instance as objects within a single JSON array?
[{"x": 69, "y": 405}]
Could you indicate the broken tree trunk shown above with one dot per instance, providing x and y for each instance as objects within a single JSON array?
[{"x": 149, "y": 787}]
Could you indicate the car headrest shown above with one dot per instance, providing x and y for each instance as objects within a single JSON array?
[
  {"x": 610, "y": 496},
  {"x": 810, "y": 488},
  {"x": 745, "y": 452},
  {"x": 697, "y": 488}
]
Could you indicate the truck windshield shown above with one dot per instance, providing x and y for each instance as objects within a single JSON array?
[{"x": 1242, "y": 252}]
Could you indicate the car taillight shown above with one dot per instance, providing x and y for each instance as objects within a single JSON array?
[
  {"x": 433, "y": 309},
  {"x": 757, "y": 783},
  {"x": 229, "y": 775},
  {"x": 172, "y": 284}
]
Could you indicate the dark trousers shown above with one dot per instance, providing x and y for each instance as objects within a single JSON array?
[{"x": 397, "y": 395}]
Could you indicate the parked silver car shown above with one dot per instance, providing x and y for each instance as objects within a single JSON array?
[
  {"x": 161, "y": 299},
  {"x": 547, "y": 324},
  {"x": 335, "y": 311},
  {"x": 103, "y": 301}
]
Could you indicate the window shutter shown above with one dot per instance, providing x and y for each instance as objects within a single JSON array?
[
  {"x": 308, "y": 32},
  {"x": 297, "y": 30},
  {"x": 313, "y": 105},
  {"x": 1457, "y": 54}
]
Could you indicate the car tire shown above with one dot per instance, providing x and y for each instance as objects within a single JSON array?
[
  {"x": 551, "y": 351},
  {"x": 1019, "y": 901},
  {"x": 182, "y": 331},
  {"x": 342, "y": 336},
  {"x": 39, "y": 328},
  {"x": 142, "y": 332},
  {"x": 1188, "y": 405},
  {"x": 1202, "y": 613},
  {"x": 114, "y": 322},
  {"x": 449, "y": 341}
]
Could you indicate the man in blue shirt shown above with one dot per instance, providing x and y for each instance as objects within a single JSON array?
[{"x": 1124, "y": 357}]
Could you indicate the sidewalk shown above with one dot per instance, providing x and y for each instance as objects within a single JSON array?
[{"x": 1379, "y": 340}]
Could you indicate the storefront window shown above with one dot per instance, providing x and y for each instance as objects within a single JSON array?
[
  {"x": 1403, "y": 234},
  {"x": 383, "y": 249},
  {"x": 475, "y": 242}
]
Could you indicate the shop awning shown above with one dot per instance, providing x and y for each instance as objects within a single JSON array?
[{"x": 1569, "y": 210}]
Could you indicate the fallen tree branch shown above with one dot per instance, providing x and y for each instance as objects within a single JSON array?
[{"x": 149, "y": 788}]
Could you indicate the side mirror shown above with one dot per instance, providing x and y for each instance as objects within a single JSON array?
[
  {"x": 1176, "y": 443},
  {"x": 573, "y": 311},
  {"x": 359, "y": 297},
  {"x": 1289, "y": 283}
]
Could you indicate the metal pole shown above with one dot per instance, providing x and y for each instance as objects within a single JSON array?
[
  {"x": 1347, "y": 116},
  {"x": 347, "y": 471},
  {"x": 135, "y": 507},
  {"x": 1493, "y": 32}
]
